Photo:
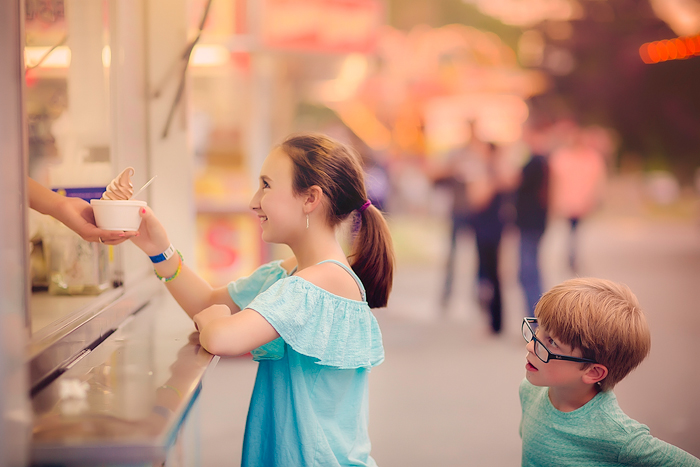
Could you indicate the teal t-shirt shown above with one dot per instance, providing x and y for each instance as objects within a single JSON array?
[
  {"x": 597, "y": 434},
  {"x": 310, "y": 400}
]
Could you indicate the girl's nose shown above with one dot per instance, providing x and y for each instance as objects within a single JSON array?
[{"x": 254, "y": 201}]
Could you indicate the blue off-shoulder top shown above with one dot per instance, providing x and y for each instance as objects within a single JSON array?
[{"x": 310, "y": 400}]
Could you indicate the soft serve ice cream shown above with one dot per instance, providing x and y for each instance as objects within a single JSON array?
[
  {"x": 116, "y": 210},
  {"x": 121, "y": 187}
]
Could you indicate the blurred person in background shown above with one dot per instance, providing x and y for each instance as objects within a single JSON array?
[
  {"x": 376, "y": 180},
  {"x": 531, "y": 205},
  {"x": 488, "y": 188},
  {"x": 452, "y": 176},
  {"x": 577, "y": 176}
]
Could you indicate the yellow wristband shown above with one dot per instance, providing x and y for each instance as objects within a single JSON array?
[
  {"x": 167, "y": 386},
  {"x": 177, "y": 271}
]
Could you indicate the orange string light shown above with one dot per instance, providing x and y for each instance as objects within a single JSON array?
[{"x": 680, "y": 48}]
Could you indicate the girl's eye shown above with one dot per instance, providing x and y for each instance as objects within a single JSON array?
[{"x": 265, "y": 184}]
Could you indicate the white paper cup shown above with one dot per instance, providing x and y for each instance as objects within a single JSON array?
[{"x": 117, "y": 214}]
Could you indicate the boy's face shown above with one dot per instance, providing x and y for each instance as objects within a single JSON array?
[{"x": 555, "y": 373}]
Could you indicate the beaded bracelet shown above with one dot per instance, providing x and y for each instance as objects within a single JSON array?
[
  {"x": 177, "y": 271},
  {"x": 172, "y": 388}
]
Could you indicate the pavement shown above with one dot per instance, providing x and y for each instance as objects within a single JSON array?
[{"x": 447, "y": 394}]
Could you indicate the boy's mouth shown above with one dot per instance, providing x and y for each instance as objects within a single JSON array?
[{"x": 530, "y": 367}]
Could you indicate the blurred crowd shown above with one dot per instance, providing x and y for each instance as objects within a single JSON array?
[{"x": 558, "y": 169}]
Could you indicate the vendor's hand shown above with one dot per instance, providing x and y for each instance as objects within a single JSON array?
[
  {"x": 152, "y": 238},
  {"x": 210, "y": 313},
  {"x": 77, "y": 214}
]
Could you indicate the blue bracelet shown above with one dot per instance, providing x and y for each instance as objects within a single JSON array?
[{"x": 167, "y": 254}]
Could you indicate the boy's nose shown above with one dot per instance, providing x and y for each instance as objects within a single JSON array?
[{"x": 531, "y": 346}]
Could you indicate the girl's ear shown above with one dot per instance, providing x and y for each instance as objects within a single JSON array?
[
  {"x": 595, "y": 373},
  {"x": 312, "y": 198}
]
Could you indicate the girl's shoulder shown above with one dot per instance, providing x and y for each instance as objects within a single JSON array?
[
  {"x": 289, "y": 264},
  {"x": 336, "y": 278}
]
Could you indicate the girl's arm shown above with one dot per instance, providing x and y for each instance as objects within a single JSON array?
[
  {"x": 190, "y": 291},
  {"x": 223, "y": 333}
]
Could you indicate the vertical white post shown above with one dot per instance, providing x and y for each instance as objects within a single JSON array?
[
  {"x": 129, "y": 114},
  {"x": 88, "y": 94},
  {"x": 15, "y": 418},
  {"x": 170, "y": 156}
]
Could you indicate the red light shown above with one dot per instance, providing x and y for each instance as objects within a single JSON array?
[
  {"x": 672, "y": 49},
  {"x": 30, "y": 78},
  {"x": 680, "y": 47},
  {"x": 661, "y": 50},
  {"x": 653, "y": 53},
  {"x": 690, "y": 45},
  {"x": 644, "y": 53}
]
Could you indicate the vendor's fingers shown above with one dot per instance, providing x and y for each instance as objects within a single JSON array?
[{"x": 115, "y": 237}]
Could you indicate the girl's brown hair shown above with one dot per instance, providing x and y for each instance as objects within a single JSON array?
[{"x": 337, "y": 170}]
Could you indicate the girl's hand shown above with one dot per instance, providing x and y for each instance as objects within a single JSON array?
[
  {"x": 152, "y": 238},
  {"x": 209, "y": 314}
]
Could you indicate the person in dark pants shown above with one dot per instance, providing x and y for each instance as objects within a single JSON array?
[
  {"x": 488, "y": 190},
  {"x": 461, "y": 165},
  {"x": 532, "y": 198},
  {"x": 461, "y": 221},
  {"x": 488, "y": 227}
]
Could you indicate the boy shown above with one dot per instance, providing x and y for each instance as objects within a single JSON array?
[{"x": 588, "y": 334}]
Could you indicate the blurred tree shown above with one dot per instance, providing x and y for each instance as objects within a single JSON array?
[
  {"x": 655, "y": 108},
  {"x": 598, "y": 76}
]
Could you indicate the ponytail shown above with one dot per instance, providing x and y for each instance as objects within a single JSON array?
[
  {"x": 372, "y": 256},
  {"x": 336, "y": 168}
]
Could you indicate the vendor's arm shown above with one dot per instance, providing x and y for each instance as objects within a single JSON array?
[
  {"x": 192, "y": 293},
  {"x": 75, "y": 213}
]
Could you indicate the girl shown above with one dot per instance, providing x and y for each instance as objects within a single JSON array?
[{"x": 307, "y": 319}]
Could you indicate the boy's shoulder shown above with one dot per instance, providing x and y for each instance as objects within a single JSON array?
[
  {"x": 602, "y": 414},
  {"x": 599, "y": 433}
]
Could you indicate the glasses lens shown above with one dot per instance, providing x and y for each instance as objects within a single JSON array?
[
  {"x": 541, "y": 352},
  {"x": 527, "y": 333}
]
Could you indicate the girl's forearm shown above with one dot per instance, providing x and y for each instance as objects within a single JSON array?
[{"x": 190, "y": 291}]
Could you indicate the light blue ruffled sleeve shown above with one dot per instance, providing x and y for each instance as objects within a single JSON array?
[
  {"x": 245, "y": 289},
  {"x": 336, "y": 331}
]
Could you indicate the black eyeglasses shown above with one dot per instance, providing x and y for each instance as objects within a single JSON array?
[{"x": 541, "y": 350}]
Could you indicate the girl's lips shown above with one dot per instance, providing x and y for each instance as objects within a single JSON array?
[{"x": 530, "y": 367}]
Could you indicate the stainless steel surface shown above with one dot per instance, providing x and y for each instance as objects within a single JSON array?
[
  {"x": 125, "y": 400},
  {"x": 52, "y": 315},
  {"x": 14, "y": 287},
  {"x": 58, "y": 343}
]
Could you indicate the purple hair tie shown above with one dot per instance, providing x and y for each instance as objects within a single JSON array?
[{"x": 367, "y": 204}]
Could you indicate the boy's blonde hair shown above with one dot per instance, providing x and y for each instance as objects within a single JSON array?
[{"x": 600, "y": 317}]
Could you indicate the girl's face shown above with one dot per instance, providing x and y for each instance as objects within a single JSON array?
[{"x": 280, "y": 211}]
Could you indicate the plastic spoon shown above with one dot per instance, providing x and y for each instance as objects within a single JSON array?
[{"x": 144, "y": 186}]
